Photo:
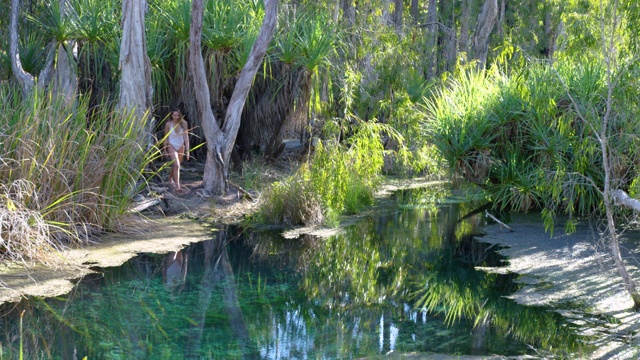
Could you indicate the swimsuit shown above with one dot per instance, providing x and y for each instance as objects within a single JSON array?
[{"x": 176, "y": 139}]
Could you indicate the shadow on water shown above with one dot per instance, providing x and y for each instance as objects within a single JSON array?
[{"x": 402, "y": 281}]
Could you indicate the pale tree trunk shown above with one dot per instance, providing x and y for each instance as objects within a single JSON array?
[
  {"x": 486, "y": 22},
  {"x": 432, "y": 35},
  {"x": 415, "y": 11},
  {"x": 551, "y": 32},
  {"x": 26, "y": 80},
  {"x": 465, "y": 18},
  {"x": 220, "y": 141},
  {"x": 547, "y": 32},
  {"x": 135, "y": 80},
  {"x": 609, "y": 53},
  {"x": 65, "y": 79}
]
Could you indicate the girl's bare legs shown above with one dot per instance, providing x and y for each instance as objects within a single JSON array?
[{"x": 174, "y": 174}]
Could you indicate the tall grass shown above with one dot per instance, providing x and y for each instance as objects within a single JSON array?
[{"x": 67, "y": 171}]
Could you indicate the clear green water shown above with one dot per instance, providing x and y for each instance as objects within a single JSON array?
[{"x": 255, "y": 295}]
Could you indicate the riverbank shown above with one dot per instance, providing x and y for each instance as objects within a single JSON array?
[
  {"x": 573, "y": 272},
  {"x": 169, "y": 226},
  {"x": 184, "y": 218}
]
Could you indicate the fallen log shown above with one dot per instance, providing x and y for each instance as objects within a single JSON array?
[
  {"x": 622, "y": 198},
  {"x": 144, "y": 205}
]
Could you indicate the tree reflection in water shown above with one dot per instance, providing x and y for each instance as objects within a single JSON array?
[{"x": 404, "y": 280}]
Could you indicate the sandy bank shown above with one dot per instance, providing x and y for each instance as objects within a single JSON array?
[{"x": 574, "y": 269}]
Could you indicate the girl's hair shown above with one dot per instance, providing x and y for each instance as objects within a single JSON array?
[{"x": 178, "y": 111}]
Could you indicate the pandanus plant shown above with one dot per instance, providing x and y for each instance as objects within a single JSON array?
[{"x": 282, "y": 100}]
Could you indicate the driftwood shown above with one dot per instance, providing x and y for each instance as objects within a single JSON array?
[
  {"x": 240, "y": 189},
  {"x": 621, "y": 198},
  {"x": 146, "y": 204},
  {"x": 498, "y": 221}
]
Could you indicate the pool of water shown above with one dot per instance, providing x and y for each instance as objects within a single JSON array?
[{"x": 402, "y": 280}]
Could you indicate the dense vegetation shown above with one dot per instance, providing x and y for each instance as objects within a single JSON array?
[{"x": 507, "y": 95}]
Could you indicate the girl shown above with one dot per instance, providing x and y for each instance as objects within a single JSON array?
[{"x": 176, "y": 144}]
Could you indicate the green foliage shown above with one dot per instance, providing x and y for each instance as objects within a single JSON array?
[
  {"x": 339, "y": 178},
  {"x": 56, "y": 22},
  {"x": 32, "y": 54},
  {"x": 529, "y": 138}
]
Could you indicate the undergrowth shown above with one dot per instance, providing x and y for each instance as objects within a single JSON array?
[
  {"x": 519, "y": 135},
  {"x": 341, "y": 177}
]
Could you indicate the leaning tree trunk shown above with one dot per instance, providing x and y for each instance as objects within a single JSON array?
[
  {"x": 486, "y": 22},
  {"x": 26, "y": 80},
  {"x": 220, "y": 141},
  {"x": 135, "y": 81},
  {"x": 608, "y": 50},
  {"x": 629, "y": 284}
]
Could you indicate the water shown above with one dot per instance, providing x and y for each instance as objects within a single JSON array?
[{"x": 400, "y": 281}]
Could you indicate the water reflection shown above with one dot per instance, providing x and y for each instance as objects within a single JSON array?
[
  {"x": 174, "y": 270},
  {"x": 402, "y": 281}
]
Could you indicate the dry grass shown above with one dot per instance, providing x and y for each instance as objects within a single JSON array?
[{"x": 24, "y": 234}]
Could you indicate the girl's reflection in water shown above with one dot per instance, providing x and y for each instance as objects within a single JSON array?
[{"x": 174, "y": 270}]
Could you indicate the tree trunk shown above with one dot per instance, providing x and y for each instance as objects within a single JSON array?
[
  {"x": 397, "y": 15},
  {"x": 220, "y": 141},
  {"x": 65, "y": 80},
  {"x": 135, "y": 81},
  {"x": 465, "y": 18},
  {"x": 609, "y": 53},
  {"x": 486, "y": 22},
  {"x": 26, "y": 80},
  {"x": 447, "y": 33},
  {"x": 349, "y": 12},
  {"x": 549, "y": 33},
  {"x": 415, "y": 11},
  {"x": 432, "y": 35},
  {"x": 501, "y": 18},
  {"x": 386, "y": 14}
]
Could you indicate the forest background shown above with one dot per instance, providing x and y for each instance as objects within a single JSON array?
[{"x": 512, "y": 96}]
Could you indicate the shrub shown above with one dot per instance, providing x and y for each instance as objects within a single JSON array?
[{"x": 341, "y": 177}]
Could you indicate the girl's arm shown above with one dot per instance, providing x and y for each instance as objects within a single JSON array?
[{"x": 165, "y": 142}]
